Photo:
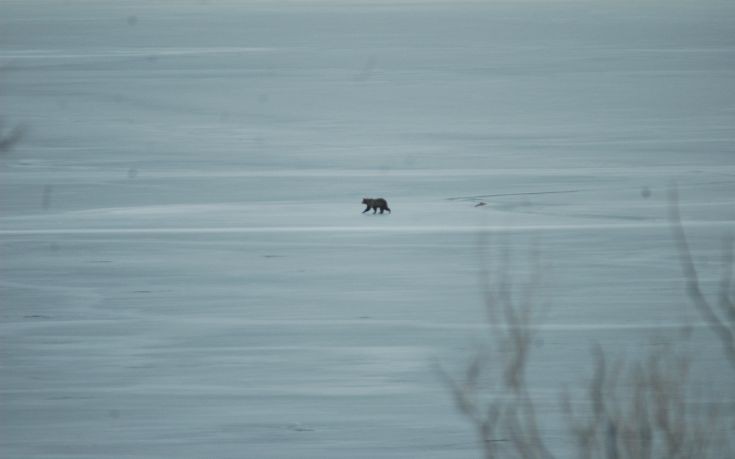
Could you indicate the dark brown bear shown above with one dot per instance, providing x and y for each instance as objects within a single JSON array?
[{"x": 375, "y": 204}]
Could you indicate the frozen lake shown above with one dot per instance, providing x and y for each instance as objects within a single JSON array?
[{"x": 186, "y": 271}]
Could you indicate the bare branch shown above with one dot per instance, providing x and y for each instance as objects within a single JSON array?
[
  {"x": 9, "y": 140},
  {"x": 726, "y": 302},
  {"x": 718, "y": 326},
  {"x": 634, "y": 410}
]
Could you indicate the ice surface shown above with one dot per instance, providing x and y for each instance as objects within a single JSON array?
[{"x": 186, "y": 271}]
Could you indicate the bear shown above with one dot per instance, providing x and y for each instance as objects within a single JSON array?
[{"x": 375, "y": 204}]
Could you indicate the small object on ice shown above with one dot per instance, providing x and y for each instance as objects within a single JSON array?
[
  {"x": 375, "y": 204},
  {"x": 300, "y": 428},
  {"x": 480, "y": 204},
  {"x": 646, "y": 192}
]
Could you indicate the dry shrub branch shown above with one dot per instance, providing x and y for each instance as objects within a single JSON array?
[{"x": 641, "y": 408}]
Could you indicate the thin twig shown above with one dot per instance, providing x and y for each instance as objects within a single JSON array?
[{"x": 691, "y": 277}]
